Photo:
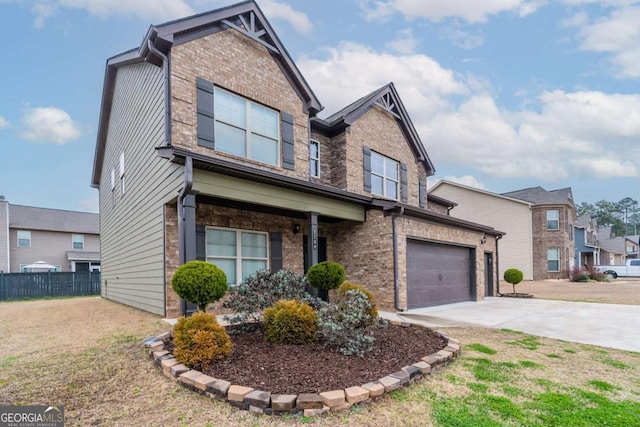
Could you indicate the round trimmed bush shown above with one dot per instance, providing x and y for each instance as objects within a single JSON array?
[
  {"x": 290, "y": 322},
  {"x": 348, "y": 286},
  {"x": 200, "y": 283},
  {"x": 325, "y": 276},
  {"x": 513, "y": 276},
  {"x": 200, "y": 341}
]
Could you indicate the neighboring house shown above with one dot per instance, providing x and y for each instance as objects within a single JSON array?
[
  {"x": 616, "y": 250},
  {"x": 67, "y": 240},
  {"x": 553, "y": 218},
  {"x": 513, "y": 216},
  {"x": 631, "y": 247},
  {"x": 586, "y": 241},
  {"x": 209, "y": 148}
]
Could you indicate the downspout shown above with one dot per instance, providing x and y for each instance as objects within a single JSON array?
[
  {"x": 167, "y": 92},
  {"x": 497, "y": 267},
  {"x": 186, "y": 189},
  {"x": 396, "y": 275}
]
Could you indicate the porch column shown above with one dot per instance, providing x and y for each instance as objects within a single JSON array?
[{"x": 312, "y": 245}]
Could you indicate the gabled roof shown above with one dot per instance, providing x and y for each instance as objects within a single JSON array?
[
  {"x": 245, "y": 17},
  {"x": 388, "y": 99},
  {"x": 540, "y": 196},
  {"x": 31, "y": 218},
  {"x": 443, "y": 182},
  {"x": 586, "y": 220}
]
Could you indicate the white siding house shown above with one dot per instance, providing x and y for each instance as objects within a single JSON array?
[{"x": 503, "y": 213}]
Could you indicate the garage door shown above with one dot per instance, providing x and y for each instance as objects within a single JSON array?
[{"x": 437, "y": 274}]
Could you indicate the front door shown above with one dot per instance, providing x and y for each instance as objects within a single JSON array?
[{"x": 488, "y": 275}]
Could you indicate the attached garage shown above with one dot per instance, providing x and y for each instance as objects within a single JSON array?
[{"x": 438, "y": 273}]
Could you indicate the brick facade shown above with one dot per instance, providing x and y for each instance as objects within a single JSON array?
[{"x": 544, "y": 239}]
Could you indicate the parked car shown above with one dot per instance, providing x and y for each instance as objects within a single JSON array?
[{"x": 630, "y": 269}]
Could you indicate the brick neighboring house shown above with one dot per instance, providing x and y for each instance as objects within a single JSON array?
[
  {"x": 209, "y": 148},
  {"x": 616, "y": 250},
  {"x": 553, "y": 220},
  {"x": 68, "y": 240}
]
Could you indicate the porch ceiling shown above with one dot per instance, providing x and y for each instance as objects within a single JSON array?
[{"x": 241, "y": 190}]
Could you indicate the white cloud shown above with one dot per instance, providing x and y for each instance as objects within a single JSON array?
[
  {"x": 617, "y": 34},
  {"x": 352, "y": 70},
  {"x": 467, "y": 10},
  {"x": 460, "y": 37},
  {"x": 404, "y": 43},
  {"x": 277, "y": 10},
  {"x": 151, "y": 10},
  {"x": 556, "y": 135},
  {"x": 4, "y": 122},
  {"x": 49, "y": 124}
]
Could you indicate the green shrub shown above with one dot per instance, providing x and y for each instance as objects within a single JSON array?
[
  {"x": 200, "y": 341},
  {"x": 261, "y": 290},
  {"x": 325, "y": 276},
  {"x": 290, "y": 322},
  {"x": 348, "y": 325},
  {"x": 513, "y": 276},
  {"x": 348, "y": 286},
  {"x": 200, "y": 283}
]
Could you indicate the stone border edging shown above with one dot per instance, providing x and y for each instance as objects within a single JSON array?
[{"x": 309, "y": 404}]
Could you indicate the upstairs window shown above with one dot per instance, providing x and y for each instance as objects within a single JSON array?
[
  {"x": 77, "y": 241},
  {"x": 553, "y": 219},
  {"x": 24, "y": 239},
  {"x": 314, "y": 158},
  {"x": 384, "y": 176},
  {"x": 245, "y": 128}
]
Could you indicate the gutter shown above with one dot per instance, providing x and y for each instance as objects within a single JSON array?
[
  {"x": 396, "y": 275},
  {"x": 167, "y": 92}
]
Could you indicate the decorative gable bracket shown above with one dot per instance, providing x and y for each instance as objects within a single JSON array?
[
  {"x": 387, "y": 104},
  {"x": 247, "y": 24}
]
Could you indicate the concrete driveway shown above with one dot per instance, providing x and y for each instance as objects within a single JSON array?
[{"x": 607, "y": 325}]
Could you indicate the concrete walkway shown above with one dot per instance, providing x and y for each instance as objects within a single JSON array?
[{"x": 606, "y": 325}]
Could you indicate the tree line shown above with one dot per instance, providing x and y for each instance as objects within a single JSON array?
[{"x": 622, "y": 216}]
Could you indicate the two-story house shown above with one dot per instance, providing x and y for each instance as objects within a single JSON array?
[
  {"x": 553, "y": 218},
  {"x": 66, "y": 240},
  {"x": 510, "y": 215},
  {"x": 586, "y": 241},
  {"x": 209, "y": 147}
]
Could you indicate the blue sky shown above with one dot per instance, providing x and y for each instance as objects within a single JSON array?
[{"x": 505, "y": 94}]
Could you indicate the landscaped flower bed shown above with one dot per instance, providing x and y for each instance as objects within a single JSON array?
[{"x": 313, "y": 403}]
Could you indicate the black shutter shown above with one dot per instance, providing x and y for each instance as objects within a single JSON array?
[
  {"x": 404, "y": 183},
  {"x": 276, "y": 251},
  {"x": 201, "y": 243},
  {"x": 205, "y": 114},
  {"x": 422, "y": 192},
  {"x": 288, "y": 152},
  {"x": 366, "y": 166}
]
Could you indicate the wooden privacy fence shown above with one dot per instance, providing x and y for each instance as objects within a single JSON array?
[{"x": 16, "y": 286}]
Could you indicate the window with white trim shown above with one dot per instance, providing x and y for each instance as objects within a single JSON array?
[
  {"x": 77, "y": 241},
  {"x": 24, "y": 239},
  {"x": 384, "y": 176},
  {"x": 314, "y": 158},
  {"x": 553, "y": 259},
  {"x": 553, "y": 219},
  {"x": 246, "y": 129},
  {"x": 239, "y": 253}
]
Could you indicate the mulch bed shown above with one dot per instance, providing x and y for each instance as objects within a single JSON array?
[{"x": 292, "y": 369}]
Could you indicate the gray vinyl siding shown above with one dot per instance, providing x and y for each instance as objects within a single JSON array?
[
  {"x": 515, "y": 249},
  {"x": 4, "y": 236},
  {"x": 48, "y": 246},
  {"x": 132, "y": 225}
]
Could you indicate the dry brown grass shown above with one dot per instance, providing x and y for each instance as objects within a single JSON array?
[
  {"x": 618, "y": 291},
  {"x": 85, "y": 353}
]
